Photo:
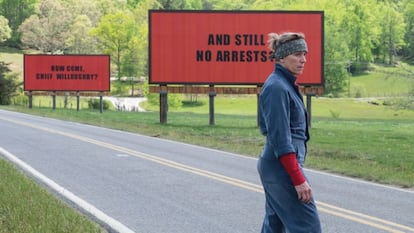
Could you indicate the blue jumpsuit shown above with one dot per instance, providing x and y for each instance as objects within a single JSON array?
[{"x": 282, "y": 119}]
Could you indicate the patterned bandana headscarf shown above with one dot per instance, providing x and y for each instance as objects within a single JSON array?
[{"x": 290, "y": 47}]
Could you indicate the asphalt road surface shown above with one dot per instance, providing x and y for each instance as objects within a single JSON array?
[{"x": 142, "y": 184}]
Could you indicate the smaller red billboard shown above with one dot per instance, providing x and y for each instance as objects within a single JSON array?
[{"x": 66, "y": 72}]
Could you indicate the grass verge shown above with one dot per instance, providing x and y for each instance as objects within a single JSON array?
[{"x": 26, "y": 207}]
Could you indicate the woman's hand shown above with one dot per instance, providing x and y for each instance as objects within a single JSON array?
[{"x": 304, "y": 192}]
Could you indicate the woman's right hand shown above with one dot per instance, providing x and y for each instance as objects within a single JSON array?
[{"x": 304, "y": 192}]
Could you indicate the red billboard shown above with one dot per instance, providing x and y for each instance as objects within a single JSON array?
[
  {"x": 227, "y": 47},
  {"x": 66, "y": 72}
]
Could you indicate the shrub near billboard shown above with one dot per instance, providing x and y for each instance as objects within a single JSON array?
[
  {"x": 227, "y": 47},
  {"x": 66, "y": 72}
]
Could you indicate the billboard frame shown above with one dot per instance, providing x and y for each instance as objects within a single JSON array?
[
  {"x": 106, "y": 85},
  {"x": 320, "y": 82}
]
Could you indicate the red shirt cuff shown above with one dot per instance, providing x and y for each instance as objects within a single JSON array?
[{"x": 291, "y": 166}]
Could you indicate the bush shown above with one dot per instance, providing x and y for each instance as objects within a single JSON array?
[
  {"x": 175, "y": 101},
  {"x": 21, "y": 100},
  {"x": 359, "y": 91},
  {"x": 119, "y": 88},
  {"x": 94, "y": 103},
  {"x": 358, "y": 68},
  {"x": 8, "y": 84}
]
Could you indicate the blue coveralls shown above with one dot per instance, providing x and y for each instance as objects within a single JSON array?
[{"x": 282, "y": 119}]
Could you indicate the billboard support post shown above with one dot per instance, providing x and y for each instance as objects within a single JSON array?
[
  {"x": 309, "y": 107},
  {"x": 163, "y": 105},
  {"x": 101, "y": 102},
  {"x": 77, "y": 100},
  {"x": 259, "y": 88},
  {"x": 54, "y": 100},
  {"x": 211, "y": 95},
  {"x": 30, "y": 100}
]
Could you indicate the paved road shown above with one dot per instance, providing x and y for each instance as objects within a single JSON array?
[{"x": 144, "y": 184}]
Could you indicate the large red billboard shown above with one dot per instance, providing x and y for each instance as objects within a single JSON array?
[
  {"x": 227, "y": 47},
  {"x": 66, "y": 72}
]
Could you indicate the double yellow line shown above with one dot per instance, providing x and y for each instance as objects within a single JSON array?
[
  {"x": 363, "y": 218},
  {"x": 322, "y": 207}
]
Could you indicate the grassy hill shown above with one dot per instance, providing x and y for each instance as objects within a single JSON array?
[
  {"x": 14, "y": 57},
  {"x": 384, "y": 81}
]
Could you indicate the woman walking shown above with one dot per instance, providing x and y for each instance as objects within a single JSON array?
[{"x": 290, "y": 207}]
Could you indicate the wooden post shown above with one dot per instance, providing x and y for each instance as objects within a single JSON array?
[
  {"x": 258, "y": 102},
  {"x": 211, "y": 95},
  {"x": 30, "y": 99},
  {"x": 309, "y": 107},
  {"x": 163, "y": 104},
  {"x": 101, "y": 102},
  {"x": 54, "y": 100},
  {"x": 77, "y": 100}
]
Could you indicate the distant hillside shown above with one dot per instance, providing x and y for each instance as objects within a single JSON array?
[
  {"x": 14, "y": 57},
  {"x": 383, "y": 81}
]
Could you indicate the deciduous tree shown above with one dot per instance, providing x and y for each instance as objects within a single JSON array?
[
  {"x": 5, "y": 31},
  {"x": 408, "y": 51},
  {"x": 48, "y": 29},
  {"x": 16, "y": 12},
  {"x": 80, "y": 41},
  {"x": 114, "y": 33},
  {"x": 9, "y": 84},
  {"x": 392, "y": 32}
]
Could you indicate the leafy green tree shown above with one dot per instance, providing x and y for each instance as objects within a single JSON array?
[
  {"x": 392, "y": 32},
  {"x": 133, "y": 3},
  {"x": 130, "y": 61},
  {"x": 110, "y": 6},
  {"x": 9, "y": 84},
  {"x": 80, "y": 41},
  {"x": 337, "y": 56},
  {"x": 16, "y": 12},
  {"x": 231, "y": 4},
  {"x": 91, "y": 9},
  {"x": 195, "y": 4},
  {"x": 173, "y": 4},
  {"x": 48, "y": 29},
  {"x": 114, "y": 33},
  {"x": 358, "y": 21},
  {"x": 85, "y": 16},
  {"x": 5, "y": 31},
  {"x": 265, "y": 5},
  {"x": 140, "y": 46},
  {"x": 408, "y": 50}
]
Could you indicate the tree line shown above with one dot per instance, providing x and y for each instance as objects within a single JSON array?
[{"x": 357, "y": 33}]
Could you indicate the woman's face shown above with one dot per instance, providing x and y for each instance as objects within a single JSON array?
[{"x": 295, "y": 62}]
